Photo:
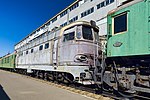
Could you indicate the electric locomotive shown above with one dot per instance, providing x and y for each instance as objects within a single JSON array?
[
  {"x": 74, "y": 52},
  {"x": 64, "y": 54}
]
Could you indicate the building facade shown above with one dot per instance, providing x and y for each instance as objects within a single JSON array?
[{"x": 80, "y": 10}]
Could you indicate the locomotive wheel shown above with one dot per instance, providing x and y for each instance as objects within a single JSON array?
[
  {"x": 68, "y": 78},
  {"x": 50, "y": 76}
]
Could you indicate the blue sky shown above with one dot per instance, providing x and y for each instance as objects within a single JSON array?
[{"x": 18, "y": 18}]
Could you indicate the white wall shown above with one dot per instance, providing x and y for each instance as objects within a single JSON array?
[{"x": 99, "y": 15}]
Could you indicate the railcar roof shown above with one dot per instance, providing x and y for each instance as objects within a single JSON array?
[
  {"x": 7, "y": 55},
  {"x": 124, "y": 6}
]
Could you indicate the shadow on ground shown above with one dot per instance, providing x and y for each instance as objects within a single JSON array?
[{"x": 3, "y": 95}]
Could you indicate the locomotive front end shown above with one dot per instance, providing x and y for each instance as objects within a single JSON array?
[{"x": 79, "y": 49}]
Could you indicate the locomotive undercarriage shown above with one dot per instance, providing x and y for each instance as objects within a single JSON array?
[
  {"x": 129, "y": 75},
  {"x": 59, "y": 76},
  {"x": 48, "y": 75}
]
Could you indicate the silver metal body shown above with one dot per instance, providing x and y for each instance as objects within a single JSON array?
[{"x": 72, "y": 56}]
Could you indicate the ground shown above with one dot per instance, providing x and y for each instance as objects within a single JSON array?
[{"x": 17, "y": 87}]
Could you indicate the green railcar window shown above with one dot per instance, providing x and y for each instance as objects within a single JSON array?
[
  {"x": 120, "y": 23},
  {"x": 8, "y": 60},
  {"x": 5, "y": 60}
]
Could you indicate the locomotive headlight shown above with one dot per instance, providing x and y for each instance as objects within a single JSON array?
[{"x": 81, "y": 58}]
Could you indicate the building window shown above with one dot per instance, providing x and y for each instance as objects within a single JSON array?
[
  {"x": 87, "y": 12},
  {"x": 98, "y": 6},
  {"x": 92, "y": 10},
  {"x": 73, "y": 19},
  {"x": 41, "y": 47},
  {"x": 46, "y": 45},
  {"x": 64, "y": 24},
  {"x": 120, "y": 23},
  {"x": 111, "y": 1},
  {"x": 47, "y": 24},
  {"x": 69, "y": 36},
  {"x": 74, "y": 6},
  {"x": 104, "y": 3},
  {"x": 42, "y": 27},
  {"x": 107, "y": 2},
  {"x": 38, "y": 30},
  {"x": 63, "y": 13},
  {"x": 32, "y": 50},
  {"x": 82, "y": 15},
  {"x": 53, "y": 20}
]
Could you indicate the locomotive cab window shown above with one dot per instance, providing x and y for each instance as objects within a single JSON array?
[
  {"x": 87, "y": 33},
  {"x": 120, "y": 23},
  {"x": 69, "y": 36}
]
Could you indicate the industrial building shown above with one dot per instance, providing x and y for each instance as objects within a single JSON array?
[{"x": 84, "y": 10}]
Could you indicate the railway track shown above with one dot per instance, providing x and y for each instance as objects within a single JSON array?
[{"x": 88, "y": 91}]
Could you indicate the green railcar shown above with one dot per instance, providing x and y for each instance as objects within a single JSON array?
[
  {"x": 128, "y": 49},
  {"x": 8, "y": 61},
  {"x": 129, "y": 30}
]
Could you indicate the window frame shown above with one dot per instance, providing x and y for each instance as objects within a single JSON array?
[
  {"x": 27, "y": 52},
  {"x": 32, "y": 50},
  {"x": 87, "y": 12},
  {"x": 69, "y": 39},
  {"x": 40, "y": 47},
  {"x": 113, "y": 26},
  {"x": 107, "y": 2},
  {"x": 46, "y": 46},
  {"x": 111, "y": 1},
  {"x": 91, "y": 32}
]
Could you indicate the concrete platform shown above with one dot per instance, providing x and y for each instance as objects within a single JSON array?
[{"x": 18, "y": 87}]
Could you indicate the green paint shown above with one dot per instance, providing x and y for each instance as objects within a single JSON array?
[
  {"x": 8, "y": 61},
  {"x": 136, "y": 40}
]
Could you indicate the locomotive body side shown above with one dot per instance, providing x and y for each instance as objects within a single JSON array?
[{"x": 69, "y": 50}]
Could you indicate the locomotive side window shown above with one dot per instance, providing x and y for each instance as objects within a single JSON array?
[
  {"x": 31, "y": 50},
  {"x": 120, "y": 23},
  {"x": 87, "y": 33},
  {"x": 46, "y": 45},
  {"x": 69, "y": 36},
  {"x": 26, "y": 52},
  {"x": 41, "y": 47}
]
